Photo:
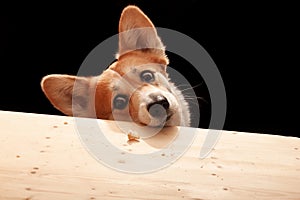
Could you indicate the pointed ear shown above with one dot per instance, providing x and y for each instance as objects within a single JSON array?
[
  {"x": 136, "y": 31},
  {"x": 59, "y": 89}
]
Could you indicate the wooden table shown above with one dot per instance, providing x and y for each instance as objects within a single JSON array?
[{"x": 43, "y": 157}]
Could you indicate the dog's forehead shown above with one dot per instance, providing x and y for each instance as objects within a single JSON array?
[
  {"x": 133, "y": 70},
  {"x": 135, "y": 61},
  {"x": 126, "y": 71},
  {"x": 117, "y": 83}
]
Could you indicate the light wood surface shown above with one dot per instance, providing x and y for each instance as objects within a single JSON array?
[{"x": 42, "y": 157}]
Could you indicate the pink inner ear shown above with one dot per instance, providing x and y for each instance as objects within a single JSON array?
[
  {"x": 132, "y": 17},
  {"x": 58, "y": 89},
  {"x": 136, "y": 31}
]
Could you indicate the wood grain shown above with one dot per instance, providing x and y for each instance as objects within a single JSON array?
[{"x": 42, "y": 157}]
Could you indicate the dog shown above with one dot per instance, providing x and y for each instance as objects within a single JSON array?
[{"x": 135, "y": 87}]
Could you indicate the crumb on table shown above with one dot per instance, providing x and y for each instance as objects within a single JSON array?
[{"x": 133, "y": 136}]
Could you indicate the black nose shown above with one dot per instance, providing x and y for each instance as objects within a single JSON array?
[{"x": 159, "y": 107}]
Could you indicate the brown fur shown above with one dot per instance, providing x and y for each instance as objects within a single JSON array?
[{"x": 140, "y": 48}]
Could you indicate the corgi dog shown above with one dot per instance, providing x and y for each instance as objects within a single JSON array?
[{"x": 135, "y": 87}]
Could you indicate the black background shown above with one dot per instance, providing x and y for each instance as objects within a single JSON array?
[{"x": 253, "y": 45}]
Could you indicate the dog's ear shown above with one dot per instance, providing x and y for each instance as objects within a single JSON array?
[
  {"x": 136, "y": 31},
  {"x": 59, "y": 89}
]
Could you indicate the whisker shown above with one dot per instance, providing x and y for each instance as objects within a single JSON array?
[
  {"x": 194, "y": 103},
  {"x": 195, "y": 98},
  {"x": 192, "y": 87},
  {"x": 183, "y": 85}
]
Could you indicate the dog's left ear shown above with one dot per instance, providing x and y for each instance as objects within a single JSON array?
[
  {"x": 60, "y": 91},
  {"x": 136, "y": 31}
]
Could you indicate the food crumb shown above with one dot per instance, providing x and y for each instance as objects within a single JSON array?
[
  {"x": 65, "y": 123},
  {"x": 121, "y": 161},
  {"x": 132, "y": 136}
]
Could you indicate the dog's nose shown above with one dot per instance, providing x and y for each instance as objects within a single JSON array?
[{"x": 159, "y": 107}]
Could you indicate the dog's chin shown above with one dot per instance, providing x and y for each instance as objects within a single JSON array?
[
  {"x": 154, "y": 123},
  {"x": 158, "y": 122},
  {"x": 170, "y": 119}
]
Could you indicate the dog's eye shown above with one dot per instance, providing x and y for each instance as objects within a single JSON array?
[
  {"x": 120, "y": 101},
  {"x": 147, "y": 76}
]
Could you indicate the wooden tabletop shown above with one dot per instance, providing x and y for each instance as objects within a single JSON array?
[{"x": 44, "y": 157}]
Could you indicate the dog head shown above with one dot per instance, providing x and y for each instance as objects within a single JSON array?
[{"x": 135, "y": 88}]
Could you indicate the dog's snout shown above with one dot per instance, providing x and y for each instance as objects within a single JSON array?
[
  {"x": 164, "y": 103},
  {"x": 157, "y": 97},
  {"x": 160, "y": 100},
  {"x": 159, "y": 107}
]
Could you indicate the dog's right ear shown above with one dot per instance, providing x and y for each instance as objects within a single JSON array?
[
  {"x": 136, "y": 31},
  {"x": 59, "y": 89}
]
